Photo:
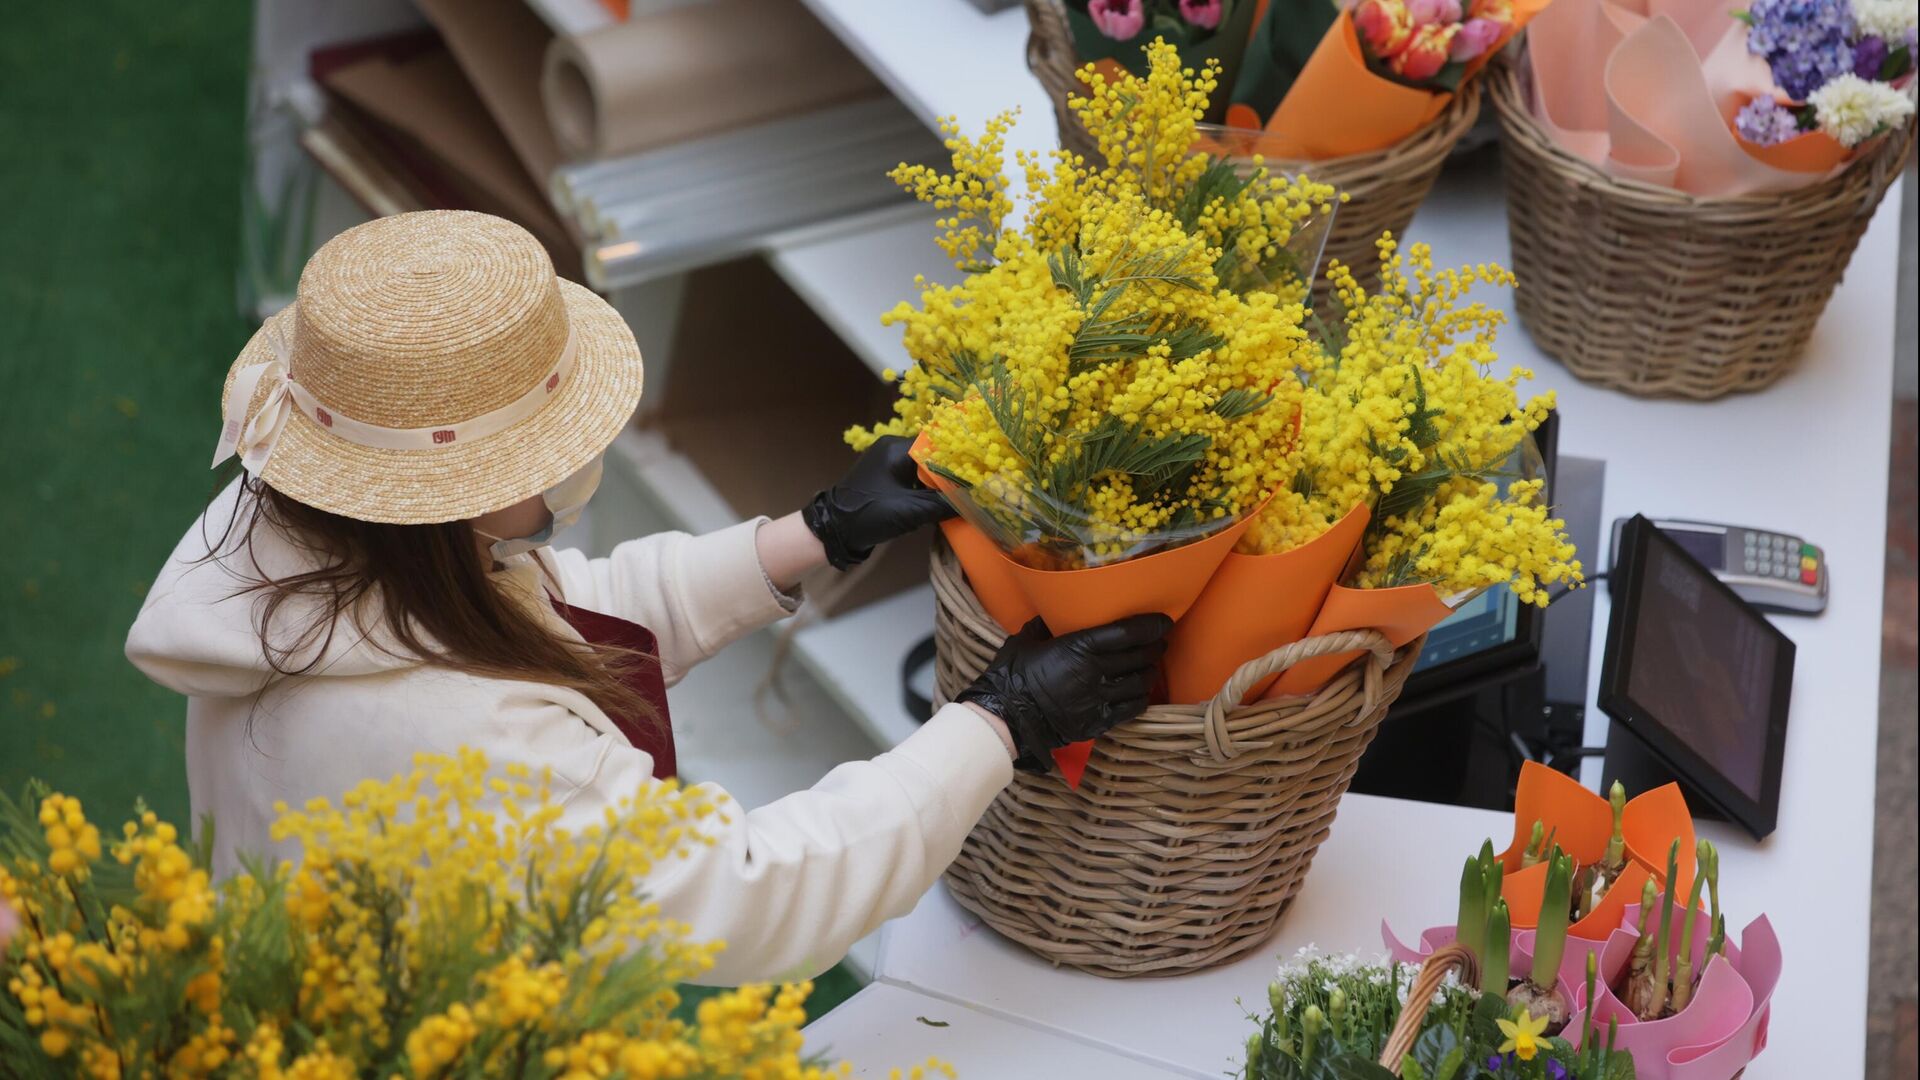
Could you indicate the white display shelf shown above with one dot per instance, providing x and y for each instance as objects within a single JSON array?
[
  {"x": 573, "y": 17},
  {"x": 856, "y": 656},
  {"x": 854, "y": 270}
]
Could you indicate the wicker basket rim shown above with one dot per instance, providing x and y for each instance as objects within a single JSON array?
[
  {"x": 1448, "y": 127},
  {"x": 1509, "y": 102}
]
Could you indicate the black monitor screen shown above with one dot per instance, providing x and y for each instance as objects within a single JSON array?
[
  {"x": 1704, "y": 664},
  {"x": 1708, "y": 547},
  {"x": 1485, "y": 622}
]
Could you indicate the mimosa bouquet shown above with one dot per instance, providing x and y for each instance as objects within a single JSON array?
[
  {"x": 1587, "y": 926},
  {"x": 1133, "y": 410},
  {"x": 440, "y": 924}
]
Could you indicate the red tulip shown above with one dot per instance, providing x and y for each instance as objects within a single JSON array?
[
  {"x": 1426, "y": 54},
  {"x": 1384, "y": 25}
]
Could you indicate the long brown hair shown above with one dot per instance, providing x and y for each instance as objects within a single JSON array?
[{"x": 426, "y": 587}]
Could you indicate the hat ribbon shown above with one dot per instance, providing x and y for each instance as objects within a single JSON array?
[{"x": 254, "y": 439}]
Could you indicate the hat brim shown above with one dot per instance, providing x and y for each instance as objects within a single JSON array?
[{"x": 424, "y": 487}]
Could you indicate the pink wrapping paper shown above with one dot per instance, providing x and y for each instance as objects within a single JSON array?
[
  {"x": 1720, "y": 1031},
  {"x": 1519, "y": 957},
  {"x": 1718, "y": 1034},
  {"x": 1645, "y": 89}
]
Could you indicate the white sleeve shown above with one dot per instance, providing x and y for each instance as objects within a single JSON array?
[
  {"x": 697, "y": 594},
  {"x": 792, "y": 885}
]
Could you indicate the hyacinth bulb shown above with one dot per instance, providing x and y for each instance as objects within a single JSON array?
[{"x": 1539, "y": 993}]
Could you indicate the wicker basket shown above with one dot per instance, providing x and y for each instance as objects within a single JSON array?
[
  {"x": 1193, "y": 826},
  {"x": 1383, "y": 187},
  {"x": 1659, "y": 293},
  {"x": 1433, "y": 971}
]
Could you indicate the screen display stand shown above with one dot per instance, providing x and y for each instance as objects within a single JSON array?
[{"x": 1638, "y": 769}]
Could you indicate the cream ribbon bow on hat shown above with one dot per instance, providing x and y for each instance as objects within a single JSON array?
[{"x": 255, "y": 439}]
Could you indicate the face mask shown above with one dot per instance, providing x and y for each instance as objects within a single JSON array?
[{"x": 564, "y": 502}]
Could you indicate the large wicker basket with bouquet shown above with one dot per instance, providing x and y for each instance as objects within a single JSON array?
[
  {"x": 1684, "y": 192},
  {"x": 1123, "y": 402},
  {"x": 1369, "y": 99}
]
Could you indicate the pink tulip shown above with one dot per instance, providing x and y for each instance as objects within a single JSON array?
[
  {"x": 1476, "y": 36},
  {"x": 8, "y": 920},
  {"x": 1426, "y": 12},
  {"x": 1121, "y": 20},
  {"x": 1204, "y": 14}
]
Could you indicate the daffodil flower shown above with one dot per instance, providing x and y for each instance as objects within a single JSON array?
[{"x": 1522, "y": 1034}]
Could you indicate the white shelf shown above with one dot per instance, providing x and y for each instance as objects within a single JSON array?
[
  {"x": 571, "y": 18},
  {"x": 854, "y": 270},
  {"x": 856, "y": 656}
]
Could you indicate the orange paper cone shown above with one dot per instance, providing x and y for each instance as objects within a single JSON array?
[
  {"x": 1652, "y": 822},
  {"x": 1402, "y": 614},
  {"x": 1253, "y": 605},
  {"x": 1338, "y": 107},
  {"x": 1581, "y": 823},
  {"x": 1812, "y": 152}
]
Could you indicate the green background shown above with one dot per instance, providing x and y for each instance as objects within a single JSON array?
[{"x": 121, "y": 155}]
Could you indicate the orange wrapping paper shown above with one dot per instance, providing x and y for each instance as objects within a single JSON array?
[
  {"x": 1402, "y": 614},
  {"x": 1253, "y": 605},
  {"x": 1069, "y": 600},
  {"x": 1581, "y": 822},
  {"x": 1337, "y": 107}
]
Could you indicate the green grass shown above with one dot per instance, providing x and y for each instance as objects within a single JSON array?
[{"x": 121, "y": 150}]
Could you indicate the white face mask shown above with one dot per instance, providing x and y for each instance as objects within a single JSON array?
[{"x": 564, "y": 502}]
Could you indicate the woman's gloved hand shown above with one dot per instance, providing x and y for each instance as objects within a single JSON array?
[
  {"x": 879, "y": 499},
  {"x": 1052, "y": 691}
]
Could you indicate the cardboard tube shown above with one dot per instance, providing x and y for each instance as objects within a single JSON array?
[{"x": 693, "y": 70}]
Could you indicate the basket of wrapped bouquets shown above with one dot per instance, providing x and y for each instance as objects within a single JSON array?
[
  {"x": 1125, "y": 406},
  {"x": 1684, "y": 191},
  {"x": 1369, "y": 98}
]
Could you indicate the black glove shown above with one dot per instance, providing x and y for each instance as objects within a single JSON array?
[
  {"x": 880, "y": 498},
  {"x": 1052, "y": 691}
]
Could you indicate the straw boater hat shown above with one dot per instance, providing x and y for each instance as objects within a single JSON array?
[{"x": 432, "y": 368}]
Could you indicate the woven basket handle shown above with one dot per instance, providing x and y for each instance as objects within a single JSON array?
[
  {"x": 1433, "y": 971},
  {"x": 1220, "y": 742},
  {"x": 1050, "y": 53}
]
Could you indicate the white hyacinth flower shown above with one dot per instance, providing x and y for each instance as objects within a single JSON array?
[
  {"x": 1852, "y": 109},
  {"x": 1888, "y": 19}
]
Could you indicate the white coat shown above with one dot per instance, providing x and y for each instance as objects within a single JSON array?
[{"x": 788, "y": 886}]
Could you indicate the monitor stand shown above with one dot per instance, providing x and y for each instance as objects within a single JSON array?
[{"x": 1639, "y": 769}]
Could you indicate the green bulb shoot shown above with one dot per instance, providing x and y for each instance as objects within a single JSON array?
[
  {"x": 1494, "y": 957},
  {"x": 1617, "y": 843},
  {"x": 1550, "y": 939},
  {"x": 1662, "y": 946},
  {"x": 1717, "y": 937},
  {"x": 1471, "y": 926},
  {"x": 1536, "y": 845},
  {"x": 1683, "y": 964}
]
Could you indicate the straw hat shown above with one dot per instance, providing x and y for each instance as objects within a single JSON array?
[{"x": 432, "y": 368}]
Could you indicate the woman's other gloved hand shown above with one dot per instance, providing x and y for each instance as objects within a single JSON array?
[
  {"x": 879, "y": 499},
  {"x": 1052, "y": 691}
]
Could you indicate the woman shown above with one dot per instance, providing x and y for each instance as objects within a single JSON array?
[{"x": 413, "y": 430}]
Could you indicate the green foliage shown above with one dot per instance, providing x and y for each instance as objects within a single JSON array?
[{"x": 1329, "y": 1018}]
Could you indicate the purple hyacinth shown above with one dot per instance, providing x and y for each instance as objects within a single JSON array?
[
  {"x": 1805, "y": 42},
  {"x": 1555, "y": 1070},
  {"x": 1869, "y": 53},
  {"x": 1763, "y": 122}
]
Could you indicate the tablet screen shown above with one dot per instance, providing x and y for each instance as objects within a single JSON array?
[
  {"x": 1698, "y": 675},
  {"x": 1704, "y": 663}
]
